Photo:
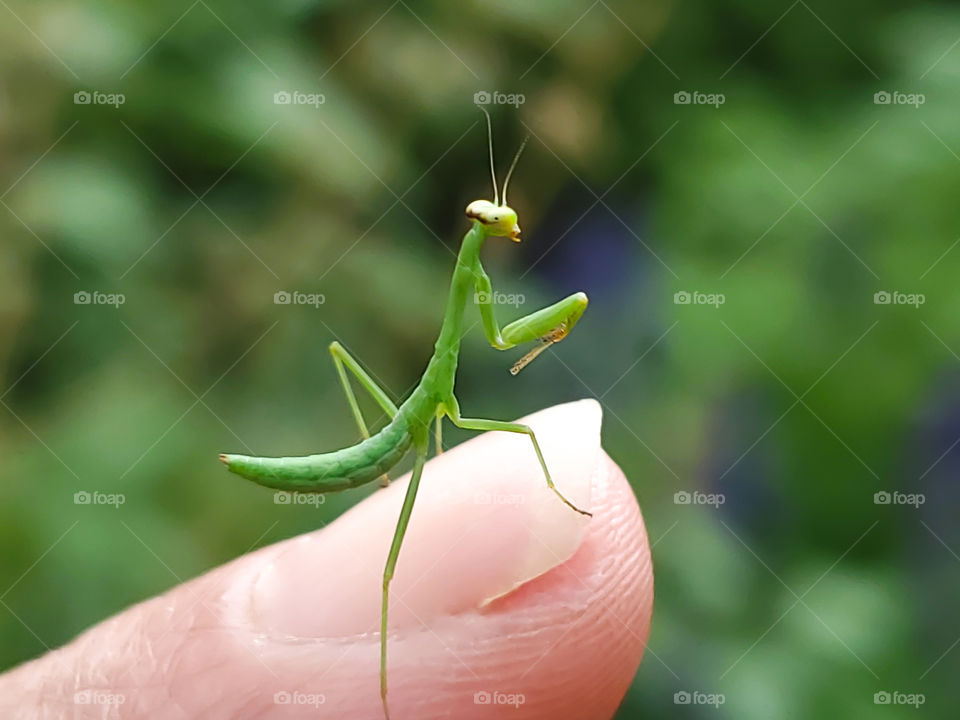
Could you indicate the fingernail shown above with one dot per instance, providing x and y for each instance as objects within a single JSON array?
[{"x": 484, "y": 523}]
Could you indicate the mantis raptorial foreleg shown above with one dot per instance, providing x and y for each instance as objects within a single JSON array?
[
  {"x": 549, "y": 325},
  {"x": 398, "y": 534},
  {"x": 485, "y": 425},
  {"x": 343, "y": 359}
]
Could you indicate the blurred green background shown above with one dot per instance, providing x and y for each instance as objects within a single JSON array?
[{"x": 796, "y": 199}]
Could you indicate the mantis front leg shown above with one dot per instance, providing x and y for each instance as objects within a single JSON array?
[{"x": 549, "y": 325}]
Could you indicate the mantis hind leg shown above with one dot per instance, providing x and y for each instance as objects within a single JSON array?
[
  {"x": 438, "y": 431},
  {"x": 391, "y": 565},
  {"x": 484, "y": 425},
  {"x": 342, "y": 359}
]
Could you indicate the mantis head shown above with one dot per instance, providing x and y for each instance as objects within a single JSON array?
[
  {"x": 497, "y": 217},
  {"x": 499, "y": 220}
]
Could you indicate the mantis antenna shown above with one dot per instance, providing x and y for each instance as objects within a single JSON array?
[
  {"x": 493, "y": 174},
  {"x": 512, "y": 166}
]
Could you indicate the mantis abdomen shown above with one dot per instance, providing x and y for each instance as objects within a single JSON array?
[{"x": 327, "y": 472}]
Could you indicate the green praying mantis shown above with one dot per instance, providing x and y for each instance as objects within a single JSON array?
[{"x": 433, "y": 398}]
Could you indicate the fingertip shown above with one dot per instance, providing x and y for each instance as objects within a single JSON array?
[
  {"x": 502, "y": 593},
  {"x": 567, "y": 620},
  {"x": 572, "y": 639}
]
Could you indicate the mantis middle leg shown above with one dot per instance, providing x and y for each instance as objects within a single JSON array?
[
  {"x": 342, "y": 359},
  {"x": 484, "y": 425}
]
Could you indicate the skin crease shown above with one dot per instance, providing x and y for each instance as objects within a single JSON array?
[{"x": 295, "y": 617}]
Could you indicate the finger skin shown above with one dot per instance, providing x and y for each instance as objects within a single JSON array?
[{"x": 565, "y": 644}]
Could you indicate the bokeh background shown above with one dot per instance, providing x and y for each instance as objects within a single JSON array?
[{"x": 787, "y": 203}]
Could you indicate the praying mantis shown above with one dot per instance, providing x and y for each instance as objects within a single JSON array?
[{"x": 433, "y": 398}]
